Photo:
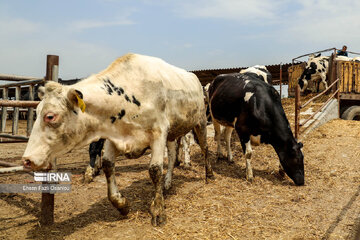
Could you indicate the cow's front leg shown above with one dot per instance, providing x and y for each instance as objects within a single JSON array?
[
  {"x": 108, "y": 164},
  {"x": 157, "y": 207},
  {"x": 171, "y": 146},
  {"x": 247, "y": 150}
]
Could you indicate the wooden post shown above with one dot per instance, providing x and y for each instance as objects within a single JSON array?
[
  {"x": 47, "y": 199},
  {"x": 4, "y": 110},
  {"x": 297, "y": 110},
  {"x": 15, "y": 125},
  {"x": 30, "y": 113}
]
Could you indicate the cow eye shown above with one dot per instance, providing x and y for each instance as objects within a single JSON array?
[{"x": 50, "y": 117}]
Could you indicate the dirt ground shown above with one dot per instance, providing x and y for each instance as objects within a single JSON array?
[{"x": 271, "y": 207}]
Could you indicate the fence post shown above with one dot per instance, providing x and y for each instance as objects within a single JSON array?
[
  {"x": 15, "y": 126},
  {"x": 30, "y": 114},
  {"x": 47, "y": 199},
  {"x": 297, "y": 110},
  {"x": 4, "y": 110}
]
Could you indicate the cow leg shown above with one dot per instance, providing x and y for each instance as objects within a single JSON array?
[
  {"x": 178, "y": 152},
  {"x": 228, "y": 131},
  {"x": 157, "y": 207},
  {"x": 323, "y": 80},
  {"x": 217, "y": 129},
  {"x": 108, "y": 165},
  {"x": 185, "y": 142},
  {"x": 171, "y": 146},
  {"x": 246, "y": 146},
  {"x": 93, "y": 169},
  {"x": 200, "y": 132}
]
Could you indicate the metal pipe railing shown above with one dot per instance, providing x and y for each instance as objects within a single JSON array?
[
  {"x": 298, "y": 107},
  {"x": 320, "y": 94}
]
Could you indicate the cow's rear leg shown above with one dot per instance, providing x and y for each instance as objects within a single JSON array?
[
  {"x": 157, "y": 207},
  {"x": 200, "y": 132},
  {"x": 185, "y": 142},
  {"x": 220, "y": 155},
  {"x": 247, "y": 150},
  {"x": 114, "y": 195},
  {"x": 228, "y": 132},
  {"x": 171, "y": 146}
]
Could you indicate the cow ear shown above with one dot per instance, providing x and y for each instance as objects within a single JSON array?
[
  {"x": 76, "y": 98},
  {"x": 41, "y": 92}
]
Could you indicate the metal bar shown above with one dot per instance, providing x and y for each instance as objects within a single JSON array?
[
  {"x": 15, "y": 103},
  {"x": 326, "y": 50},
  {"x": 15, "y": 123},
  {"x": 320, "y": 94},
  {"x": 27, "y": 82},
  {"x": 30, "y": 114},
  {"x": 12, "y": 169},
  {"x": 4, "y": 135},
  {"x": 7, "y": 164},
  {"x": 297, "y": 110},
  {"x": 15, "y": 78},
  {"x": 4, "y": 110},
  {"x": 320, "y": 109}
]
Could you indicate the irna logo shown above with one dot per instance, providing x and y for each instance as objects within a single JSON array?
[{"x": 52, "y": 177}]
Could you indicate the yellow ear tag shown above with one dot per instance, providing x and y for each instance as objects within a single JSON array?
[{"x": 81, "y": 103}]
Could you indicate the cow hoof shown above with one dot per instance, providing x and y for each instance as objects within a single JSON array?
[
  {"x": 210, "y": 178},
  {"x": 250, "y": 179},
  {"x": 158, "y": 221},
  {"x": 221, "y": 157},
  {"x": 120, "y": 203},
  {"x": 89, "y": 174},
  {"x": 167, "y": 183},
  {"x": 177, "y": 163},
  {"x": 157, "y": 211},
  {"x": 187, "y": 166}
]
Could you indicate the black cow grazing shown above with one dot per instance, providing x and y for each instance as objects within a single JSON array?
[
  {"x": 253, "y": 107},
  {"x": 256, "y": 72}
]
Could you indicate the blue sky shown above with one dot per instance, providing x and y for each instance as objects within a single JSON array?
[{"x": 192, "y": 34}]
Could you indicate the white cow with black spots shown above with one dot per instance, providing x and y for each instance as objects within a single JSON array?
[{"x": 138, "y": 102}]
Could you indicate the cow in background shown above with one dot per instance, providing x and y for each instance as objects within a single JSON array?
[
  {"x": 253, "y": 107},
  {"x": 138, "y": 102},
  {"x": 259, "y": 71},
  {"x": 315, "y": 70}
]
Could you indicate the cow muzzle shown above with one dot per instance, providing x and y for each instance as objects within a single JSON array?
[{"x": 31, "y": 165}]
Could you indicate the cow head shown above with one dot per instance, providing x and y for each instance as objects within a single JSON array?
[
  {"x": 292, "y": 160},
  {"x": 57, "y": 128}
]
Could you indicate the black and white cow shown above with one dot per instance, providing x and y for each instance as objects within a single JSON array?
[
  {"x": 259, "y": 71},
  {"x": 315, "y": 70},
  {"x": 253, "y": 107},
  {"x": 138, "y": 102}
]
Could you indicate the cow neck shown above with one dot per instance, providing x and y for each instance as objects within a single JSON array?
[{"x": 282, "y": 138}]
